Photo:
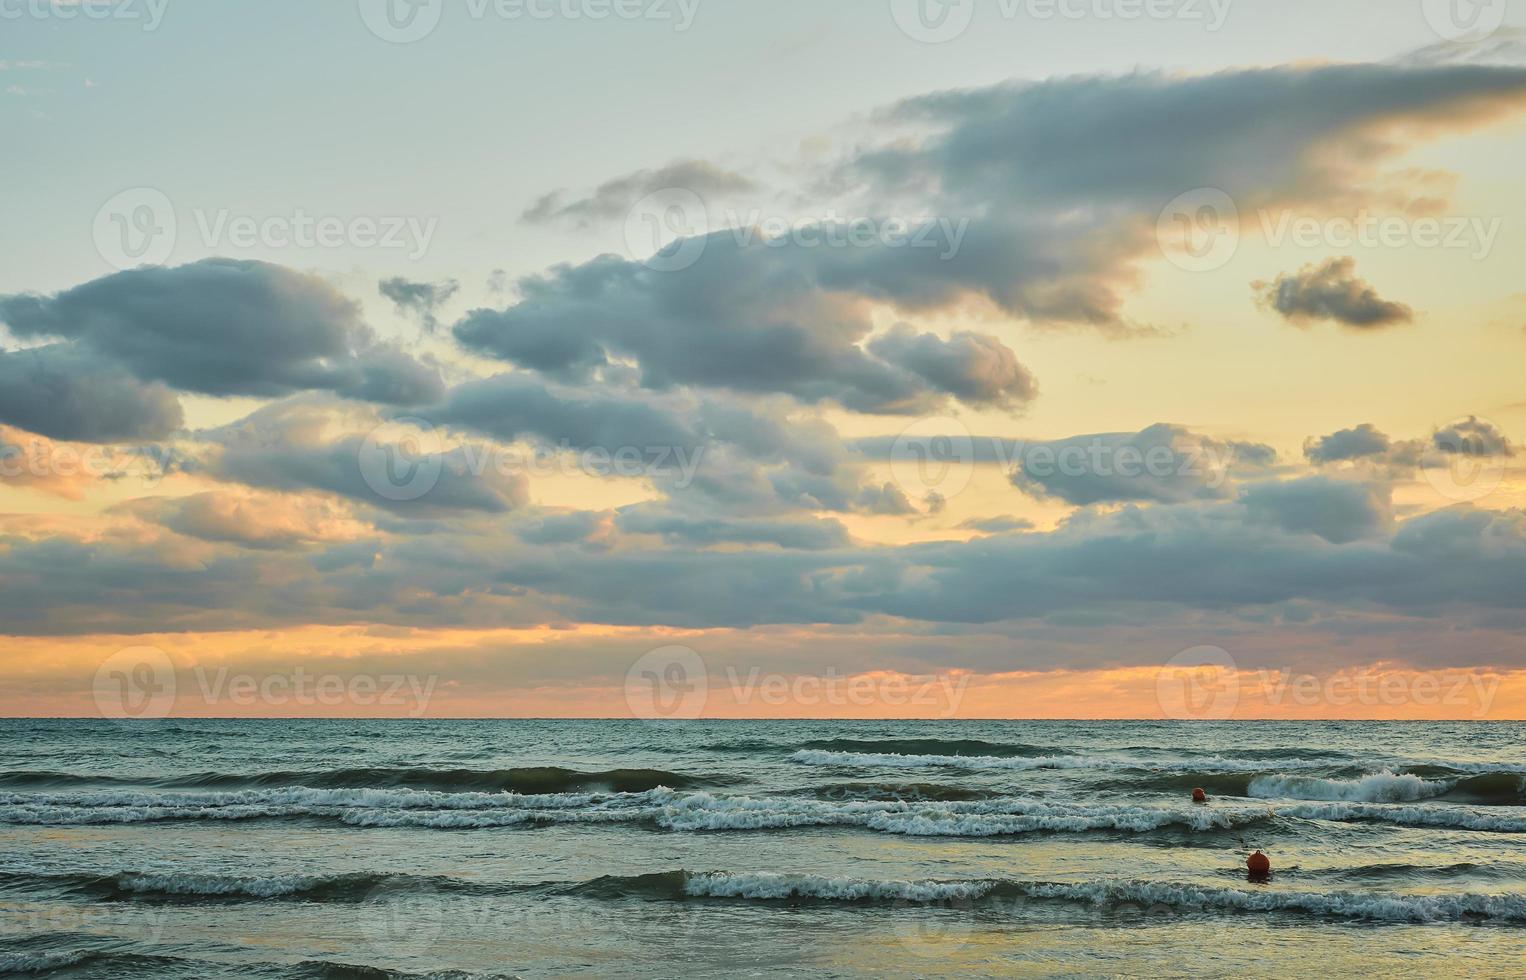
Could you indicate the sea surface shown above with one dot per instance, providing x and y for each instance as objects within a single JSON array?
[{"x": 375, "y": 849}]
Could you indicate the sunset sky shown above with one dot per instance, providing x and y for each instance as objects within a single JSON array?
[{"x": 984, "y": 374}]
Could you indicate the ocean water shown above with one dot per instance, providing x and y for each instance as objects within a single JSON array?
[{"x": 782, "y": 848}]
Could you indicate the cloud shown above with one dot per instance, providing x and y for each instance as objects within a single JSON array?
[
  {"x": 1330, "y": 291},
  {"x": 1002, "y": 524},
  {"x": 250, "y": 520},
  {"x": 1360, "y": 442},
  {"x": 613, "y": 199},
  {"x": 976, "y": 368},
  {"x": 293, "y": 447},
  {"x": 748, "y": 317},
  {"x": 514, "y": 406},
  {"x": 226, "y": 327},
  {"x": 1472, "y": 437},
  {"x": 1339, "y": 511},
  {"x": 64, "y": 392},
  {"x": 802, "y": 533},
  {"x": 421, "y": 300},
  {"x": 1165, "y": 463}
]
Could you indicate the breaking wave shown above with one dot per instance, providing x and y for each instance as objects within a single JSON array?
[{"x": 771, "y": 887}]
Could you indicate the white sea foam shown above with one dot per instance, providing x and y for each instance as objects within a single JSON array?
[
  {"x": 892, "y": 760},
  {"x": 1439, "y": 907},
  {"x": 1379, "y": 787},
  {"x": 1434, "y": 815},
  {"x": 768, "y": 885},
  {"x": 1365, "y": 905}
]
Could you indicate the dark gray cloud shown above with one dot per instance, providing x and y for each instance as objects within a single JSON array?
[
  {"x": 63, "y": 392},
  {"x": 421, "y": 300},
  {"x": 1330, "y": 291},
  {"x": 1340, "y": 511},
  {"x": 802, "y": 533},
  {"x": 975, "y": 368},
  {"x": 226, "y": 327},
  {"x": 1472, "y": 436},
  {"x": 747, "y": 316},
  {"x": 1163, "y": 462},
  {"x": 1270, "y": 554},
  {"x": 1003, "y": 524},
  {"x": 1362, "y": 441},
  {"x": 515, "y": 406},
  {"x": 613, "y": 199},
  {"x": 286, "y": 447}
]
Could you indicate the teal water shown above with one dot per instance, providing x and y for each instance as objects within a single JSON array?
[{"x": 617, "y": 848}]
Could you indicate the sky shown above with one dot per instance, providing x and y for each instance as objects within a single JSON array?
[{"x": 670, "y": 358}]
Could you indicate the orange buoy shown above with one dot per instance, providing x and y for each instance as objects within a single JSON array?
[
  {"x": 1259, "y": 864},
  {"x": 1198, "y": 796}
]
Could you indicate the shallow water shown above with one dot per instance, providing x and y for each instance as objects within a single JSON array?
[{"x": 603, "y": 848}]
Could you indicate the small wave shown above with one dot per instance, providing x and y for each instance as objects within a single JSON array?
[
  {"x": 930, "y": 746},
  {"x": 1431, "y": 815},
  {"x": 773, "y": 887},
  {"x": 910, "y": 792},
  {"x": 1490, "y": 789},
  {"x": 529, "y": 780},
  {"x": 1378, "y": 787},
  {"x": 871, "y": 760},
  {"x": 705, "y": 812},
  {"x": 146, "y": 885}
]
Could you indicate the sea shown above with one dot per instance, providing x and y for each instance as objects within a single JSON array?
[{"x": 529, "y": 848}]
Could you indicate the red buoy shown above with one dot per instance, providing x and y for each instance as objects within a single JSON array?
[
  {"x": 1198, "y": 796},
  {"x": 1259, "y": 864}
]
